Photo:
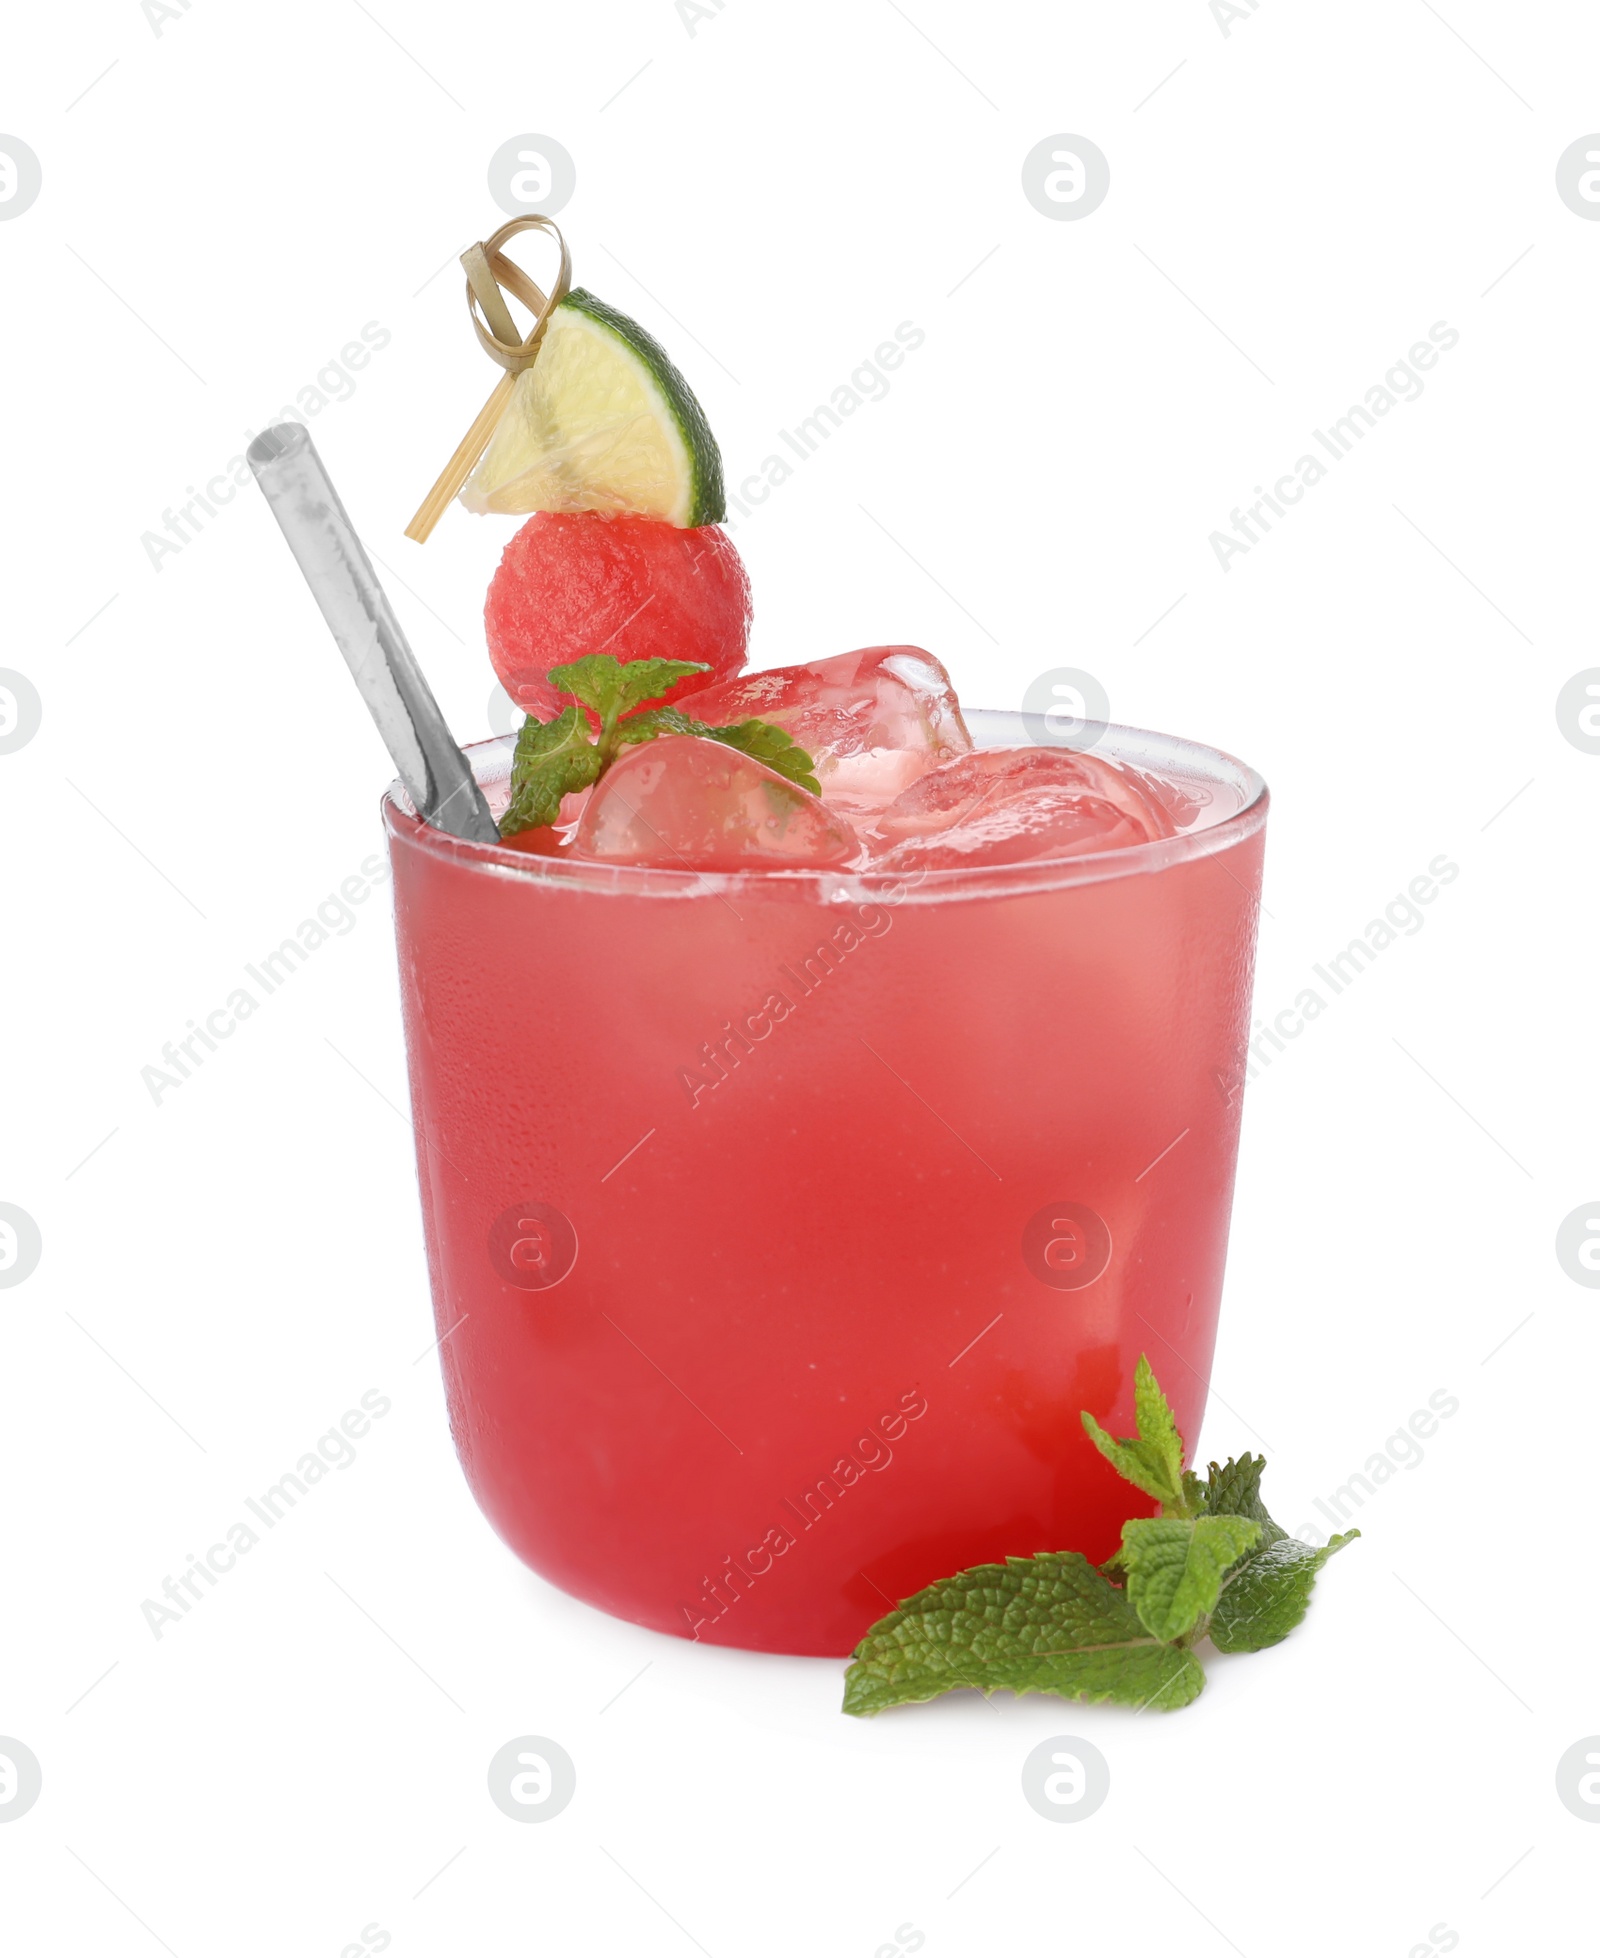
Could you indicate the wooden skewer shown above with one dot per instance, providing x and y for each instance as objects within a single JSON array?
[
  {"x": 480, "y": 276},
  {"x": 462, "y": 463},
  {"x": 488, "y": 269}
]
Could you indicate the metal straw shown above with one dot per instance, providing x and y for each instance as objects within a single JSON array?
[{"x": 437, "y": 775}]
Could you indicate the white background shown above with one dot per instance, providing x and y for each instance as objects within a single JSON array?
[{"x": 226, "y": 1273}]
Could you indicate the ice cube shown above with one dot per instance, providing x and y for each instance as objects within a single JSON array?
[
  {"x": 873, "y": 721},
  {"x": 683, "y": 803},
  {"x": 1015, "y": 805},
  {"x": 1184, "y": 806}
]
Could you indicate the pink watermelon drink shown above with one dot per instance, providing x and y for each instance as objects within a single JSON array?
[
  {"x": 821, "y": 1096},
  {"x": 781, "y": 1221}
]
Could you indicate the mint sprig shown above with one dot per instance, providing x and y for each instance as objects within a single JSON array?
[
  {"x": 1153, "y": 1459},
  {"x": 551, "y": 759},
  {"x": 1175, "y": 1567},
  {"x": 556, "y": 758},
  {"x": 1269, "y": 1594},
  {"x": 614, "y": 687},
  {"x": 763, "y": 742},
  {"x": 1047, "y": 1624},
  {"x": 1212, "y": 1565}
]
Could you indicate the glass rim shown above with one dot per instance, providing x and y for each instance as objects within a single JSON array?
[{"x": 865, "y": 885}]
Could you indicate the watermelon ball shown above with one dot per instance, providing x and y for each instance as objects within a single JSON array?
[{"x": 576, "y": 581}]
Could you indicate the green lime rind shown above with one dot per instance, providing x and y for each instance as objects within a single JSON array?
[{"x": 710, "y": 503}]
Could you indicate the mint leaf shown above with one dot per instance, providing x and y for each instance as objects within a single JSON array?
[
  {"x": 1214, "y": 1563},
  {"x": 1152, "y": 1416},
  {"x": 554, "y": 758},
  {"x": 595, "y": 681},
  {"x": 648, "y": 679},
  {"x": 1175, "y": 1567},
  {"x": 1269, "y": 1594},
  {"x": 1152, "y": 1460},
  {"x": 773, "y": 746},
  {"x": 1235, "y": 1490},
  {"x": 614, "y": 687},
  {"x": 551, "y": 760},
  {"x": 659, "y": 720},
  {"x": 1127, "y": 1458},
  {"x": 1046, "y": 1624}
]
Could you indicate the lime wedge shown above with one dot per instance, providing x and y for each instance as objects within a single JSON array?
[{"x": 602, "y": 420}]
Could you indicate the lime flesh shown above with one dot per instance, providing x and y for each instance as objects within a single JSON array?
[{"x": 602, "y": 420}]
